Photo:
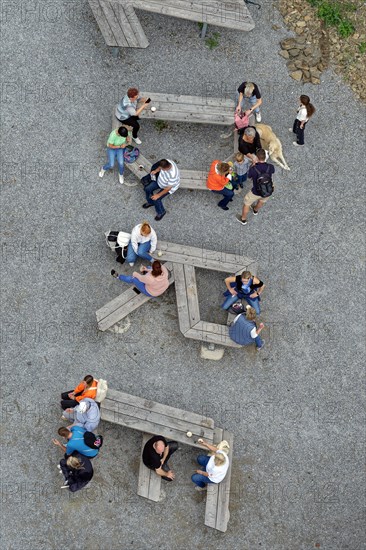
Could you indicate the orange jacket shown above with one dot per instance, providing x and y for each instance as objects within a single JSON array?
[
  {"x": 215, "y": 182},
  {"x": 88, "y": 392}
]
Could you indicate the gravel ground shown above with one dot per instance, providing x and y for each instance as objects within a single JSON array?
[{"x": 295, "y": 409}]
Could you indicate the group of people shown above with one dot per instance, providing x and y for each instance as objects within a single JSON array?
[
  {"x": 157, "y": 452},
  {"x": 80, "y": 407},
  {"x": 223, "y": 178}
]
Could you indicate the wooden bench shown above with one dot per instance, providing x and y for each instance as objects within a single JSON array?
[
  {"x": 217, "y": 512},
  {"x": 232, "y": 15},
  {"x": 192, "y": 109},
  {"x": 153, "y": 418},
  {"x": 121, "y": 306},
  {"x": 118, "y": 24}
]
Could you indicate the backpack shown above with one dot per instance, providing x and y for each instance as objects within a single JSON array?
[
  {"x": 130, "y": 154},
  {"x": 264, "y": 183},
  {"x": 93, "y": 441},
  {"x": 241, "y": 120},
  {"x": 102, "y": 389}
]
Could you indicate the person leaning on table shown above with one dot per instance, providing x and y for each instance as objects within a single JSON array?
[
  {"x": 156, "y": 454},
  {"x": 214, "y": 468}
]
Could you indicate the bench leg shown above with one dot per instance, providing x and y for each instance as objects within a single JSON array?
[
  {"x": 115, "y": 51},
  {"x": 204, "y": 30}
]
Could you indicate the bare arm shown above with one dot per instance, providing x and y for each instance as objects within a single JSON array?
[
  {"x": 162, "y": 473},
  {"x": 161, "y": 193},
  {"x": 229, "y": 280},
  {"x": 210, "y": 447}
]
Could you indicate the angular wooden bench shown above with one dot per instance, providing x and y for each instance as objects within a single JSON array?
[
  {"x": 217, "y": 513},
  {"x": 118, "y": 24},
  {"x": 153, "y": 418},
  {"x": 121, "y": 306}
]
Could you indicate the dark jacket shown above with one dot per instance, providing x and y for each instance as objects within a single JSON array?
[
  {"x": 245, "y": 147},
  {"x": 77, "y": 479}
]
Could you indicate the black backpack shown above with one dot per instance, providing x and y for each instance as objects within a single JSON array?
[
  {"x": 93, "y": 441},
  {"x": 264, "y": 183}
]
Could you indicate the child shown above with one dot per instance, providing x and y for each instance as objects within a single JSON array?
[
  {"x": 304, "y": 112},
  {"x": 241, "y": 165}
]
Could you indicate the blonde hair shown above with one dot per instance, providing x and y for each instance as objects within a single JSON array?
[
  {"x": 74, "y": 463},
  {"x": 223, "y": 168},
  {"x": 145, "y": 228},
  {"x": 249, "y": 89},
  {"x": 239, "y": 157},
  {"x": 219, "y": 459},
  {"x": 223, "y": 446},
  {"x": 250, "y": 314}
]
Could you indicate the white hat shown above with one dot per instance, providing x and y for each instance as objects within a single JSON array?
[{"x": 82, "y": 407}]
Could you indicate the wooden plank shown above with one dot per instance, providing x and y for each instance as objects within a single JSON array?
[
  {"x": 193, "y": 179},
  {"x": 189, "y": 108},
  {"x": 217, "y": 512},
  {"x": 130, "y": 25},
  {"x": 181, "y": 298},
  {"x": 121, "y": 306},
  {"x": 163, "y": 421},
  {"x": 219, "y": 336},
  {"x": 118, "y": 31},
  {"x": 103, "y": 23},
  {"x": 167, "y": 410},
  {"x": 149, "y": 483},
  {"x": 213, "y": 489},
  {"x": 150, "y": 427},
  {"x": 192, "y": 296},
  {"x": 233, "y": 15},
  {"x": 221, "y": 103},
  {"x": 190, "y": 117}
]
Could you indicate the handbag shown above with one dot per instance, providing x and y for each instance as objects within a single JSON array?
[
  {"x": 130, "y": 154},
  {"x": 241, "y": 120}
]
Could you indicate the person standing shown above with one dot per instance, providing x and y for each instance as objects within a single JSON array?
[
  {"x": 241, "y": 165},
  {"x": 219, "y": 181},
  {"x": 77, "y": 471},
  {"x": 116, "y": 144},
  {"x": 304, "y": 112},
  {"x": 156, "y": 453},
  {"x": 244, "y": 331},
  {"x": 245, "y": 286},
  {"x": 249, "y": 91},
  {"x": 142, "y": 244},
  {"x": 213, "y": 468},
  {"x": 128, "y": 111},
  {"x": 249, "y": 143},
  {"x": 261, "y": 174},
  {"x": 164, "y": 178},
  {"x": 152, "y": 281}
]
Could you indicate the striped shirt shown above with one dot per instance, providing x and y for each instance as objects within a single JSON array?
[
  {"x": 126, "y": 108},
  {"x": 169, "y": 178},
  {"x": 241, "y": 168}
]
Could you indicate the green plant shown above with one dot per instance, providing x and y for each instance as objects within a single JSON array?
[
  {"x": 200, "y": 26},
  {"x": 160, "y": 125},
  {"x": 362, "y": 47},
  {"x": 213, "y": 41},
  {"x": 345, "y": 28}
]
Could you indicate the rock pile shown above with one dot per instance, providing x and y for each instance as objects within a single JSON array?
[{"x": 305, "y": 61}]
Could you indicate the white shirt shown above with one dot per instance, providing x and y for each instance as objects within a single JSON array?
[
  {"x": 169, "y": 178},
  {"x": 217, "y": 473},
  {"x": 137, "y": 238},
  {"x": 302, "y": 114}
]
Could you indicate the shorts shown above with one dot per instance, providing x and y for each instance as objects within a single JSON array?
[{"x": 250, "y": 199}]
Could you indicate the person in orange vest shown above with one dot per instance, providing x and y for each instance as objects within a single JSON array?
[
  {"x": 219, "y": 181},
  {"x": 86, "y": 388}
]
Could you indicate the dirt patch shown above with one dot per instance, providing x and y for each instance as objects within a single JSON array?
[{"x": 318, "y": 44}]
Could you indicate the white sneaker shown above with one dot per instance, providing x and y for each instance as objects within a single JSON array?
[
  {"x": 64, "y": 487},
  {"x": 59, "y": 467},
  {"x": 101, "y": 172},
  {"x": 137, "y": 140},
  {"x": 121, "y": 178},
  {"x": 63, "y": 417},
  {"x": 290, "y": 130},
  {"x": 131, "y": 264},
  {"x": 258, "y": 117},
  {"x": 296, "y": 144}
]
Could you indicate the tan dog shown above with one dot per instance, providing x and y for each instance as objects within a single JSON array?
[{"x": 272, "y": 144}]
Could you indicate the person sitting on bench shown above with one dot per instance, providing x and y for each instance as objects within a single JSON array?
[
  {"x": 156, "y": 454},
  {"x": 213, "y": 468},
  {"x": 152, "y": 281},
  {"x": 163, "y": 180},
  {"x": 127, "y": 111}
]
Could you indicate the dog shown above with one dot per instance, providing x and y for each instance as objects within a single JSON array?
[{"x": 272, "y": 144}]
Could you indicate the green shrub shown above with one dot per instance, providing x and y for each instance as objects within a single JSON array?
[
  {"x": 362, "y": 47},
  {"x": 213, "y": 41},
  {"x": 345, "y": 28},
  {"x": 332, "y": 13}
]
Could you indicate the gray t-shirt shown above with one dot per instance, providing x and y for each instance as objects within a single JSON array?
[{"x": 126, "y": 108}]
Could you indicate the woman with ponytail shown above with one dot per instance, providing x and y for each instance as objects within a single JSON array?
[{"x": 304, "y": 112}]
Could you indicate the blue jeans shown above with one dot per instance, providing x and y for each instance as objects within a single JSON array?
[
  {"x": 252, "y": 101},
  {"x": 150, "y": 189},
  {"x": 142, "y": 252},
  {"x": 299, "y": 132},
  {"x": 135, "y": 282},
  {"x": 199, "y": 479},
  {"x": 228, "y": 195},
  {"x": 239, "y": 180},
  {"x": 253, "y": 302},
  {"x": 112, "y": 155}
]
